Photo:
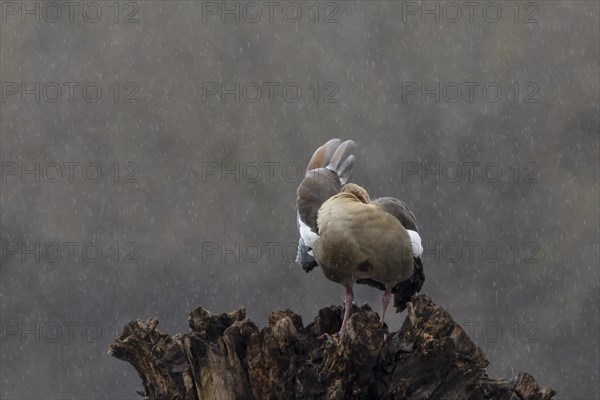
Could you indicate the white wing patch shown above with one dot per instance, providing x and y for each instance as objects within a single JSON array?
[
  {"x": 307, "y": 234},
  {"x": 415, "y": 241}
]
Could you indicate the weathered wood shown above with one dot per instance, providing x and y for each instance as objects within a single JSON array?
[
  {"x": 227, "y": 356},
  {"x": 159, "y": 360}
]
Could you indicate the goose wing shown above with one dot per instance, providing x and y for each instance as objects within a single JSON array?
[
  {"x": 329, "y": 168},
  {"x": 404, "y": 290}
]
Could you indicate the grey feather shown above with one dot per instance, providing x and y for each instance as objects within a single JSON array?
[
  {"x": 328, "y": 169},
  {"x": 399, "y": 210},
  {"x": 340, "y": 156},
  {"x": 345, "y": 170}
]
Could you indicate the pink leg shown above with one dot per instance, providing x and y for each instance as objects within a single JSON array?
[
  {"x": 384, "y": 302},
  {"x": 348, "y": 306}
]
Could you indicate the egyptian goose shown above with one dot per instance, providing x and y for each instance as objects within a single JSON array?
[{"x": 352, "y": 238}]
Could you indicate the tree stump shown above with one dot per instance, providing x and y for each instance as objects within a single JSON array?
[{"x": 227, "y": 357}]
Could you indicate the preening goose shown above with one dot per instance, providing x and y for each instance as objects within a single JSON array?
[{"x": 352, "y": 238}]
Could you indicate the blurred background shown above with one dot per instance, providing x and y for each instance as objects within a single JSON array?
[{"x": 151, "y": 152}]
